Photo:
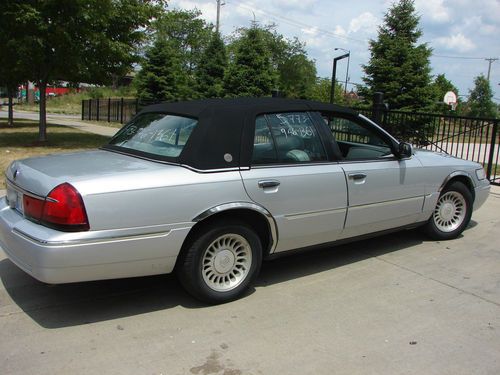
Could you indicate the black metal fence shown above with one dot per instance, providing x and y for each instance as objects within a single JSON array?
[
  {"x": 476, "y": 139},
  {"x": 111, "y": 110},
  {"x": 470, "y": 138}
]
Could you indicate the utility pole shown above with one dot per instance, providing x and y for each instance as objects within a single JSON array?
[
  {"x": 219, "y": 4},
  {"x": 490, "y": 61}
]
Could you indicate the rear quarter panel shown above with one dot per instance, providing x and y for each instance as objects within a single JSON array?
[{"x": 172, "y": 196}]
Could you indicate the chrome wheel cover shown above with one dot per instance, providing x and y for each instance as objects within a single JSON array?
[
  {"x": 226, "y": 262},
  {"x": 450, "y": 211}
]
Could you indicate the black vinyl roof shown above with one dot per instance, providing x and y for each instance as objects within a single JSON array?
[
  {"x": 195, "y": 108},
  {"x": 226, "y": 127}
]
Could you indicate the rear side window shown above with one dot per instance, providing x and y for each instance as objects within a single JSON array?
[
  {"x": 156, "y": 133},
  {"x": 286, "y": 138}
]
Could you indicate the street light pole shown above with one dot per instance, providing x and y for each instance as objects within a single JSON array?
[
  {"x": 347, "y": 71},
  {"x": 334, "y": 74}
]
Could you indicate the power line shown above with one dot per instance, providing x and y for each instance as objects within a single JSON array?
[
  {"x": 331, "y": 34},
  {"x": 459, "y": 57},
  {"x": 300, "y": 24},
  {"x": 336, "y": 35}
]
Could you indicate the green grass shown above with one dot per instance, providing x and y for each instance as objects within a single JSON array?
[
  {"x": 72, "y": 103},
  {"x": 21, "y": 141}
]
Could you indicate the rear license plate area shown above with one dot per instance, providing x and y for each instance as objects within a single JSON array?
[{"x": 15, "y": 199}]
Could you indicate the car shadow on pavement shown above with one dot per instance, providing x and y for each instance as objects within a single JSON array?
[
  {"x": 322, "y": 259},
  {"x": 56, "y": 306}
]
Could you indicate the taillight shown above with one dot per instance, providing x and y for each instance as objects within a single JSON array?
[
  {"x": 63, "y": 209},
  {"x": 33, "y": 207}
]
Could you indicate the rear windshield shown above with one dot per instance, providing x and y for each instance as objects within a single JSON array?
[{"x": 155, "y": 133}]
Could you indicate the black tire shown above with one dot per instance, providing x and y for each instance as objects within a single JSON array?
[
  {"x": 434, "y": 228},
  {"x": 193, "y": 276}
]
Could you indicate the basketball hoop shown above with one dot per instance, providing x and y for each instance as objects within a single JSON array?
[{"x": 450, "y": 98}]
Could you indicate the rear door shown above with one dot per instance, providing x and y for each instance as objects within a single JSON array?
[{"x": 291, "y": 177}]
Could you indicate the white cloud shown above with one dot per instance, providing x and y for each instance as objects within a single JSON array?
[
  {"x": 208, "y": 10},
  {"x": 457, "y": 42},
  {"x": 292, "y": 4},
  {"x": 486, "y": 29},
  {"x": 340, "y": 31},
  {"x": 434, "y": 10},
  {"x": 310, "y": 31},
  {"x": 365, "y": 22},
  {"x": 474, "y": 24}
]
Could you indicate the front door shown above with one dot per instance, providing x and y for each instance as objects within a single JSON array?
[{"x": 384, "y": 192}]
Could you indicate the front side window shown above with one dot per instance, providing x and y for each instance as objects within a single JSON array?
[
  {"x": 156, "y": 133},
  {"x": 357, "y": 142},
  {"x": 286, "y": 138}
]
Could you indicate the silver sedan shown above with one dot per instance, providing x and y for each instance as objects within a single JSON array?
[{"x": 210, "y": 188}]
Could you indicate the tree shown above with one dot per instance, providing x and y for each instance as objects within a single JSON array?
[
  {"x": 190, "y": 34},
  {"x": 321, "y": 90},
  {"x": 297, "y": 76},
  {"x": 162, "y": 77},
  {"x": 398, "y": 66},
  {"x": 295, "y": 72},
  {"x": 211, "y": 69},
  {"x": 81, "y": 40},
  {"x": 188, "y": 31},
  {"x": 250, "y": 72},
  {"x": 480, "y": 99},
  {"x": 12, "y": 70}
]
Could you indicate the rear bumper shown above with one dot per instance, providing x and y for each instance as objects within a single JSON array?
[{"x": 55, "y": 257}]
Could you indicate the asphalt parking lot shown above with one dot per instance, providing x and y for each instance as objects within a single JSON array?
[{"x": 397, "y": 304}]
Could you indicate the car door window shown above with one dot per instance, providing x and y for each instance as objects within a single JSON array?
[
  {"x": 286, "y": 138},
  {"x": 357, "y": 142}
]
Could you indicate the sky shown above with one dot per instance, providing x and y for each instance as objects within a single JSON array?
[{"x": 462, "y": 33}]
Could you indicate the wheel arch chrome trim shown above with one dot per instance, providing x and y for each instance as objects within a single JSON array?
[
  {"x": 457, "y": 174},
  {"x": 245, "y": 206}
]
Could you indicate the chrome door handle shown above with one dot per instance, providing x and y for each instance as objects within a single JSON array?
[
  {"x": 357, "y": 176},
  {"x": 263, "y": 184}
]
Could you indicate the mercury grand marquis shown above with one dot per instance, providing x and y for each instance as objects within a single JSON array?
[{"x": 210, "y": 188}]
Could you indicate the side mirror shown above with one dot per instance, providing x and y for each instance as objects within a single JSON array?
[{"x": 405, "y": 150}]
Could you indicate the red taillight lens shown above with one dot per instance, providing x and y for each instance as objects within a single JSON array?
[
  {"x": 33, "y": 207},
  {"x": 64, "y": 209}
]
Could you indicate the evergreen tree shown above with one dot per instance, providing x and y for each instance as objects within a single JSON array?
[
  {"x": 210, "y": 72},
  {"x": 190, "y": 35},
  {"x": 162, "y": 77},
  {"x": 398, "y": 66},
  {"x": 295, "y": 72},
  {"x": 250, "y": 72},
  {"x": 188, "y": 31},
  {"x": 480, "y": 99}
]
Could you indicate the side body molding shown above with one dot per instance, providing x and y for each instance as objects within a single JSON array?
[{"x": 247, "y": 206}]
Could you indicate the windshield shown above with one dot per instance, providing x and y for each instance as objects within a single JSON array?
[{"x": 156, "y": 133}]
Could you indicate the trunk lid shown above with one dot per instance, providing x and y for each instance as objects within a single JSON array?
[{"x": 41, "y": 174}]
